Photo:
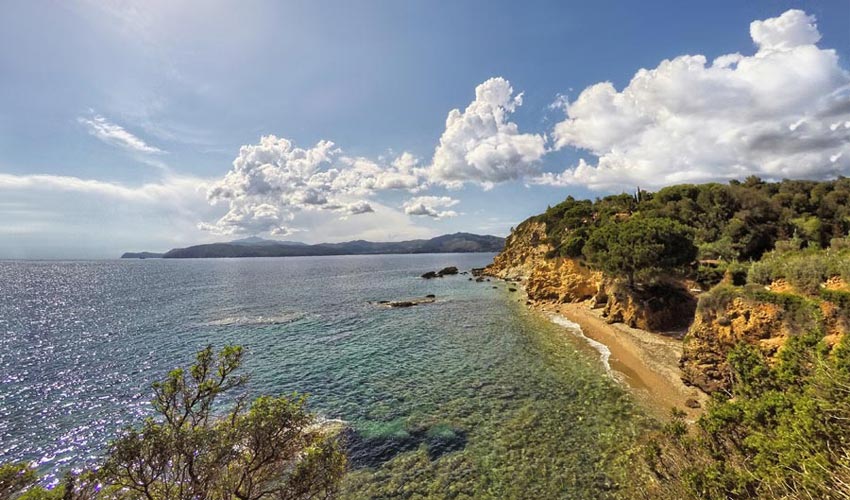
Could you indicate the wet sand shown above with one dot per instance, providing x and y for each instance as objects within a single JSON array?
[{"x": 647, "y": 362}]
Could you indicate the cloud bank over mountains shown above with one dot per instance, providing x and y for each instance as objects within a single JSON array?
[
  {"x": 274, "y": 180},
  {"x": 782, "y": 111},
  {"x": 431, "y": 206}
]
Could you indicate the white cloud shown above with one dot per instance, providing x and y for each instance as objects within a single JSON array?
[
  {"x": 174, "y": 187},
  {"x": 250, "y": 219},
  {"x": 358, "y": 207},
  {"x": 274, "y": 180},
  {"x": 50, "y": 216},
  {"x": 481, "y": 146},
  {"x": 792, "y": 29},
  {"x": 116, "y": 135},
  {"x": 431, "y": 206},
  {"x": 770, "y": 114}
]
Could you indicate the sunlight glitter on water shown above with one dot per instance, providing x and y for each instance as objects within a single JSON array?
[{"x": 467, "y": 381}]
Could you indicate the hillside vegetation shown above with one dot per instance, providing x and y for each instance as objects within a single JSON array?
[
  {"x": 736, "y": 221},
  {"x": 769, "y": 264}
]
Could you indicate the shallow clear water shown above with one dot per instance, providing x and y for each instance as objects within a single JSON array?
[{"x": 469, "y": 396}]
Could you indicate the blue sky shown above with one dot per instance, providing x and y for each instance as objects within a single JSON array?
[{"x": 120, "y": 122}]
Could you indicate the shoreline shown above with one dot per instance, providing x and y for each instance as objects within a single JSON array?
[{"x": 645, "y": 362}]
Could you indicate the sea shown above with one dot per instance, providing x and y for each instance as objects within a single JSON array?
[{"x": 471, "y": 396}]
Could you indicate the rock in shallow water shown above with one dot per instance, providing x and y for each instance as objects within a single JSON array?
[
  {"x": 447, "y": 271},
  {"x": 428, "y": 299}
]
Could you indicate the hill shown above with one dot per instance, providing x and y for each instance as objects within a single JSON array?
[
  {"x": 756, "y": 276},
  {"x": 258, "y": 247}
]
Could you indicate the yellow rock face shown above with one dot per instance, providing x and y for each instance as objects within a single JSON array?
[
  {"x": 766, "y": 325},
  {"x": 525, "y": 249},
  {"x": 546, "y": 280},
  {"x": 561, "y": 280}
]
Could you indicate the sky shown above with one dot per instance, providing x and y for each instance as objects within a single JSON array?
[{"x": 130, "y": 126}]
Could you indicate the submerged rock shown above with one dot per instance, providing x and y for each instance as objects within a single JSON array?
[
  {"x": 393, "y": 304},
  {"x": 430, "y": 275}
]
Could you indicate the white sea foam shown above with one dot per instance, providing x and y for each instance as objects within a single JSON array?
[{"x": 575, "y": 329}]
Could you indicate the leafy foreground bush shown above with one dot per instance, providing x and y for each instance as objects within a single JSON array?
[
  {"x": 273, "y": 448},
  {"x": 784, "y": 432}
]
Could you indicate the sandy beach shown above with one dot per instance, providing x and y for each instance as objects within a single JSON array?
[{"x": 647, "y": 362}]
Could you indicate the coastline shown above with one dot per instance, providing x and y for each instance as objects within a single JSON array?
[{"x": 646, "y": 362}]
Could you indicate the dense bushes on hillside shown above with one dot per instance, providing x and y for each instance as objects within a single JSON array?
[
  {"x": 805, "y": 270},
  {"x": 782, "y": 430},
  {"x": 640, "y": 247},
  {"x": 735, "y": 221}
]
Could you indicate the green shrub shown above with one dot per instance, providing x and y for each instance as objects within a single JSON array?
[
  {"x": 269, "y": 449},
  {"x": 783, "y": 435},
  {"x": 806, "y": 270}
]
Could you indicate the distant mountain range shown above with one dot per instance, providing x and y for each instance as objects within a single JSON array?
[{"x": 259, "y": 247}]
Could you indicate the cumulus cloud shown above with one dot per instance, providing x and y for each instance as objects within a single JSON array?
[
  {"x": 480, "y": 145},
  {"x": 791, "y": 29},
  {"x": 252, "y": 219},
  {"x": 272, "y": 181},
  {"x": 116, "y": 135},
  {"x": 783, "y": 111},
  {"x": 430, "y": 206}
]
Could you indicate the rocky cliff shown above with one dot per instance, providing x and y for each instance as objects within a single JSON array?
[
  {"x": 763, "y": 317},
  {"x": 558, "y": 280},
  {"x": 526, "y": 259},
  {"x": 525, "y": 249}
]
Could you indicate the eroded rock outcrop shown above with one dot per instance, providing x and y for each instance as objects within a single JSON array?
[
  {"x": 525, "y": 249},
  {"x": 763, "y": 318},
  {"x": 527, "y": 258},
  {"x": 662, "y": 307},
  {"x": 562, "y": 280}
]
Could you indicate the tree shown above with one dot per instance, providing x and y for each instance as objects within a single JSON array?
[
  {"x": 641, "y": 248},
  {"x": 272, "y": 449},
  {"x": 195, "y": 448}
]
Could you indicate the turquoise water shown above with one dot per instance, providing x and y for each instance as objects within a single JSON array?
[{"x": 471, "y": 396}]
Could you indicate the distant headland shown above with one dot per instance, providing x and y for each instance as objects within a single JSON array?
[{"x": 259, "y": 247}]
